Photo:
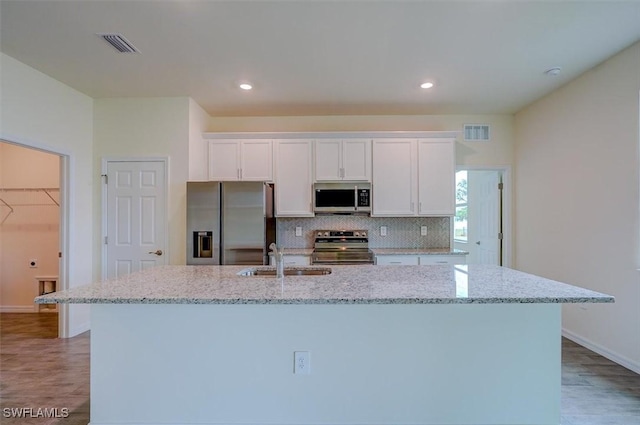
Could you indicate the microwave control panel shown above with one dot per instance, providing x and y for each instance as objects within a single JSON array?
[{"x": 364, "y": 198}]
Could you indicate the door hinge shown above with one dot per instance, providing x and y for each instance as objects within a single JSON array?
[
  {"x": 106, "y": 178},
  {"x": 500, "y": 186},
  {"x": 59, "y": 254},
  {"x": 500, "y": 236},
  {"x": 105, "y": 240}
]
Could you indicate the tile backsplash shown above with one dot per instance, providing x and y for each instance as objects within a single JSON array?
[{"x": 402, "y": 232}]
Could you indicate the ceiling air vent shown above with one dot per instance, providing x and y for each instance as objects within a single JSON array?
[
  {"x": 119, "y": 43},
  {"x": 476, "y": 133}
]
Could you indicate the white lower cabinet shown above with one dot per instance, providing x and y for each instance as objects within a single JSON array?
[
  {"x": 397, "y": 260},
  {"x": 293, "y": 260},
  {"x": 422, "y": 260},
  {"x": 442, "y": 259}
]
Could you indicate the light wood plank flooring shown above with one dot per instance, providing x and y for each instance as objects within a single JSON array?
[{"x": 39, "y": 370}]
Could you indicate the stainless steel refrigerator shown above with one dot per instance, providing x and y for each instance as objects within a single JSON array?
[{"x": 229, "y": 223}]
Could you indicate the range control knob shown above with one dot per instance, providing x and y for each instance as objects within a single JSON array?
[
  {"x": 357, "y": 234},
  {"x": 319, "y": 234},
  {"x": 364, "y": 234},
  {"x": 326, "y": 233}
]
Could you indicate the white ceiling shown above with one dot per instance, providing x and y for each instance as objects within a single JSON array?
[{"x": 321, "y": 57}]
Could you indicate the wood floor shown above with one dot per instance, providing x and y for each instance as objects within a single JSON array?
[{"x": 38, "y": 370}]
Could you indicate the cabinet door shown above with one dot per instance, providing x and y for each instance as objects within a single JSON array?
[
  {"x": 224, "y": 160},
  {"x": 436, "y": 177},
  {"x": 292, "y": 260},
  {"x": 328, "y": 160},
  {"x": 442, "y": 259},
  {"x": 356, "y": 160},
  {"x": 293, "y": 182},
  {"x": 256, "y": 160},
  {"x": 394, "y": 177},
  {"x": 397, "y": 260}
]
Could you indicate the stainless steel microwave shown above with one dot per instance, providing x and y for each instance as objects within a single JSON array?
[{"x": 342, "y": 198}]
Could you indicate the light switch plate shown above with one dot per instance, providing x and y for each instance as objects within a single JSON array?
[
  {"x": 298, "y": 231},
  {"x": 383, "y": 230},
  {"x": 423, "y": 230}
]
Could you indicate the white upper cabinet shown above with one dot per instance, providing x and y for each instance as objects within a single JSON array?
[
  {"x": 294, "y": 177},
  {"x": 436, "y": 177},
  {"x": 242, "y": 160},
  {"x": 394, "y": 177},
  {"x": 411, "y": 174},
  {"x": 348, "y": 159},
  {"x": 413, "y": 177},
  {"x": 224, "y": 160}
]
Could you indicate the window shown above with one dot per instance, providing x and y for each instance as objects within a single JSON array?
[{"x": 460, "y": 220}]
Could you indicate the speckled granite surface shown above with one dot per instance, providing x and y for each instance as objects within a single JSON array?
[
  {"x": 418, "y": 251},
  {"x": 443, "y": 284},
  {"x": 388, "y": 251}
]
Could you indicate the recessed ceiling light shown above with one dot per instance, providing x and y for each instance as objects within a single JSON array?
[
  {"x": 246, "y": 86},
  {"x": 426, "y": 85}
]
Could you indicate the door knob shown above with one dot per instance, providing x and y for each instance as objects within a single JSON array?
[{"x": 158, "y": 252}]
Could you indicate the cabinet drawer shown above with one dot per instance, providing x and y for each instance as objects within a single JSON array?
[
  {"x": 293, "y": 260},
  {"x": 397, "y": 260},
  {"x": 442, "y": 259}
]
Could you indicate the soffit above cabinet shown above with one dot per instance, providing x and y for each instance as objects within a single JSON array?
[{"x": 334, "y": 135}]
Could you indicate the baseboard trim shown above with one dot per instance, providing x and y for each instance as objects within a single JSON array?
[
  {"x": 597, "y": 348},
  {"x": 77, "y": 330},
  {"x": 18, "y": 309}
]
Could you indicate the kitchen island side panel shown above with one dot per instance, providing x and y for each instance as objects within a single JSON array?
[{"x": 373, "y": 364}]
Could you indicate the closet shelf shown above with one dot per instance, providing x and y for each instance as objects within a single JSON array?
[{"x": 27, "y": 197}]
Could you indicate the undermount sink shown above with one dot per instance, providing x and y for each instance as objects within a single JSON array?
[{"x": 288, "y": 271}]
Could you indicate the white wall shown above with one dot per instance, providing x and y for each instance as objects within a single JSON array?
[
  {"x": 39, "y": 111},
  {"x": 198, "y": 152},
  {"x": 147, "y": 127},
  {"x": 577, "y": 199},
  {"x": 32, "y": 230}
]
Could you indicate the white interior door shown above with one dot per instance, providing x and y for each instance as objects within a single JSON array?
[
  {"x": 484, "y": 215},
  {"x": 136, "y": 216}
]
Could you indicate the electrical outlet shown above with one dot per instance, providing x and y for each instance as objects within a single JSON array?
[
  {"x": 301, "y": 363},
  {"x": 298, "y": 231},
  {"x": 33, "y": 263},
  {"x": 423, "y": 230},
  {"x": 383, "y": 230}
]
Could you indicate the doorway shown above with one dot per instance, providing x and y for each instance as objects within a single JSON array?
[
  {"x": 482, "y": 218},
  {"x": 32, "y": 208}
]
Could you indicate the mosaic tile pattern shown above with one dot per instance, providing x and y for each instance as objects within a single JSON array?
[{"x": 402, "y": 232}]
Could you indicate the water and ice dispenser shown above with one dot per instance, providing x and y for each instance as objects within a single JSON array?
[{"x": 202, "y": 244}]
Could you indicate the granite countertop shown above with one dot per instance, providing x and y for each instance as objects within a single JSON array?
[
  {"x": 387, "y": 251},
  {"x": 361, "y": 284},
  {"x": 418, "y": 251}
]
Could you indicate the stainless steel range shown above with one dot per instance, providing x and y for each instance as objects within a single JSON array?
[{"x": 341, "y": 247}]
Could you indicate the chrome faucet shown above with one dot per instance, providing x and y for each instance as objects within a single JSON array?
[{"x": 278, "y": 257}]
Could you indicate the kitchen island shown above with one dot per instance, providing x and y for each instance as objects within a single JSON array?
[{"x": 387, "y": 345}]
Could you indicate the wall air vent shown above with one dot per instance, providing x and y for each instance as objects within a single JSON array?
[
  {"x": 119, "y": 43},
  {"x": 476, "y": 133}
]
